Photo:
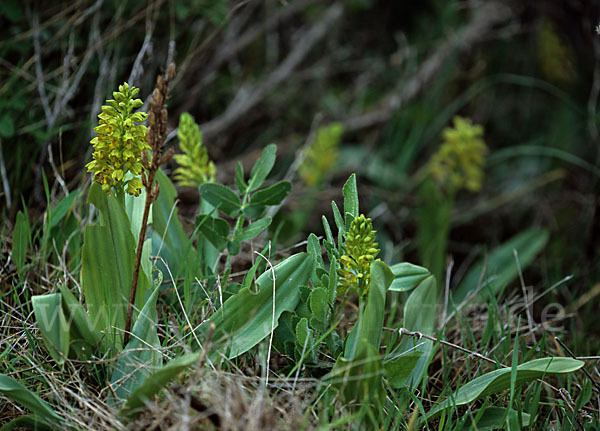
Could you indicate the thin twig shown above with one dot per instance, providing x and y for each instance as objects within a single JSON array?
[
  {"x": 589, "y": 376},
  {"x": 5, "y": 184},
  {"x": 447, "y": 289}
]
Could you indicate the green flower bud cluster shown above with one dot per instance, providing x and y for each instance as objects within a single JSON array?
[
  {"x": 360, "y": 250},
  {"x": 120, "y": 142},
  {"x": 321, "y": 155},
  {"x": 459, "y": 161},
  {"x": 195, "y": 166}
]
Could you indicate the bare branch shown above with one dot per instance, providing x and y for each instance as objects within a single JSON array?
[
  {"x": 246, "y": 99},
  {"x": 480, "y": 27}
]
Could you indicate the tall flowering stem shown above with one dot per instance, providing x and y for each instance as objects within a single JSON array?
[{"x": 156, "y": 137}]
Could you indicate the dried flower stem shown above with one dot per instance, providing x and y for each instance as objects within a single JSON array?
[{"x": 156, "y": 136}]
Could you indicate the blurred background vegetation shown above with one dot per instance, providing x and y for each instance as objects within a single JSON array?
[{"x": 342, "y": 86}]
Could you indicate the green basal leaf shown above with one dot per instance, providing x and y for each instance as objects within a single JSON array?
[
  {"x": 495, "y": 418},
  {"x": 108, "y": 256},
  {"x": 53, "y": 324},
  {"x": 499, "y": 380},
  {"x": 420, "y": 311},
  {"x": 15, "y": 391},
  {"x": 359, "y": 379},
  {"x": 370, "y": 323},
  {"x": 500, "y": 265},
  {"x": 156, "y": 381},
  {"x": 246, "y": 318},
  {"x": 169, "y": 239},
  {"x": 262, "y": 167},
  {"x": 81, "y": 325},
  {"x": 141, "y": 356}
]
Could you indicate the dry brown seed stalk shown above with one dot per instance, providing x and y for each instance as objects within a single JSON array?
[{"x": 156, "y": 136}]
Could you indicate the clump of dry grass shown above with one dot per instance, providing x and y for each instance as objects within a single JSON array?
[{"x": 220, "y": 400}]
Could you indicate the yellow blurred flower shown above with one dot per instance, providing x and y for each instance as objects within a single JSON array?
[
  {"x": 321, "y": 155},
  {"x": 195, "y": 166},
  {"x": 459, "y": 161}
]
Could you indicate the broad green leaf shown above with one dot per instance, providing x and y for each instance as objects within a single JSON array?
[
  {"x": 398, "y": 368},
  {"x": 350, "y": 193},
  {"x": 494, "y": 418},
  {"x": 370, "y": 323},
  {"x": 500, "y": 266},
  {"x": 21, "y": 240},
  {"x": 420, "y": 311},
  {"x": 214, "y": 229},
  {"x": 134, "y": 207},
  {"x": 360, "y": 379},
  {"x": 27, "y": 422},
  {"x": 262, "y": 167},
  {"x": 221, "y": 197},
  {"x": 61, "y": 209},
  {"x": 156, "y": 381},
  {"x": 53, "y": 324},
  {"x": 169, "y": 239},
  {"x": 108, "y": 256},
  {"x": 499, "y": 380},
  {"x": 141, "y": 356},
  {"x": 253, "y": 230},
  {"x": 80, "y": 321},
  {"x": 246, "y": 318},
  {"x": 272, "y": 195},
  {"x": 407, "y": 276},
  {"x": 15, "y": 391}
]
